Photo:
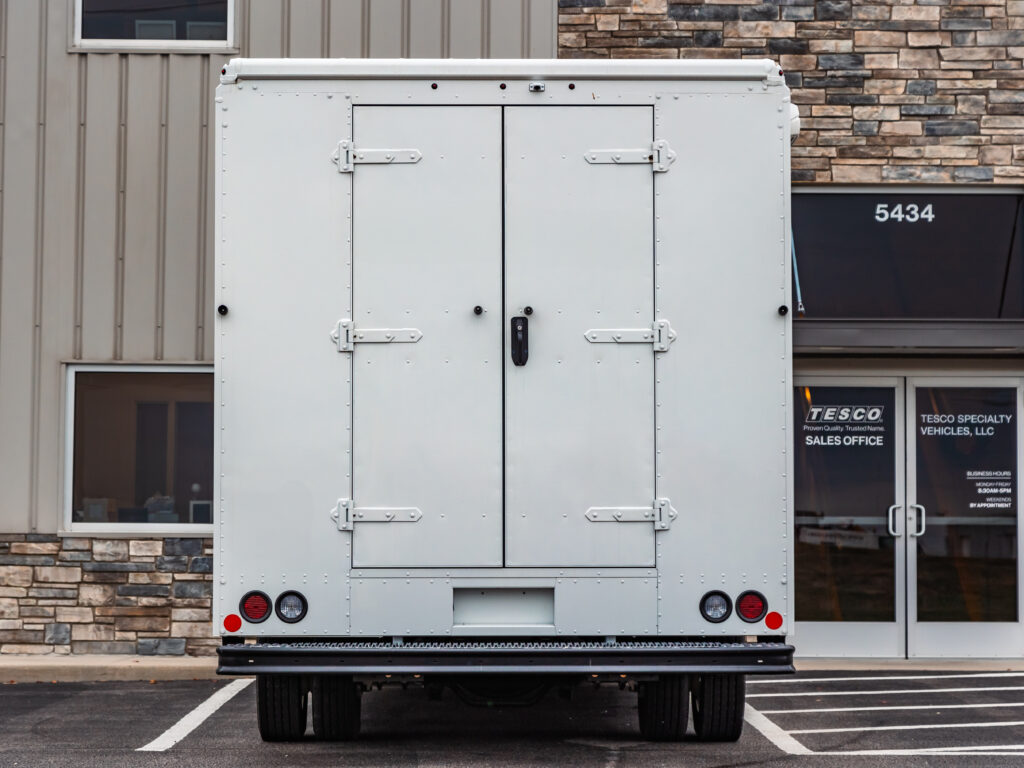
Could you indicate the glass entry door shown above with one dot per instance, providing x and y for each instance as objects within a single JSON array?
[
  {"x": 906, "y": 517},
  {"x": 962, "y": 507},
  {"x": 849, "y": 480}
]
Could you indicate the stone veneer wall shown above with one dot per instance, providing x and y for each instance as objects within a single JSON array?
[
  {"x": 889, "y": 91},
  {"x": 93, "y": 595}
]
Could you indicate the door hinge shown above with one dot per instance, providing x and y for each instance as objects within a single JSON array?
[
  {"x": 346, "y": 335},
  {"x": 346, "y": 514},
  {"x": 660, "y": 334},
  {"x": 661, "y": 513},
  {"x": 346, "y": 156},
  {"x": 659, "y": 156}
]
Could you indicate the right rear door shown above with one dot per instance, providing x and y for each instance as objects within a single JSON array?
[{"x": 579, "y": 415}]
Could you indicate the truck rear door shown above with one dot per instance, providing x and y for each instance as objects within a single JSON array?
[
  {"x": 504, "y": 383},
  {"x": 579, "y": 415},
  {"x": 427, "y": 453}
]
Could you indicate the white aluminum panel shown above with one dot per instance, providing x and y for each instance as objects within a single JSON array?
[
  {"x": 427, "y": 251},
  {"x": 398, "y": 606},
  {"x": 426, "y": 606},
  {"x": 725, "y": 388},
  {"x": 579, "y": 250},
  {"x": 607, "y": 606},
  {"x": 282, "y": 425}
]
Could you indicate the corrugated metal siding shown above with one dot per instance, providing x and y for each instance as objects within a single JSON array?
[{"x": 105, "y": 192}]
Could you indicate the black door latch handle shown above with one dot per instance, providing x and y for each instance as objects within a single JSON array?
[{"x": 520, "y": 340}]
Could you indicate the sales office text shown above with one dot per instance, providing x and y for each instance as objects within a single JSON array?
[{"x": 848, "y": 440}]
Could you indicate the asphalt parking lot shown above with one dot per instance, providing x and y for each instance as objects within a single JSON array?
[{"x": 815, "y": 719}]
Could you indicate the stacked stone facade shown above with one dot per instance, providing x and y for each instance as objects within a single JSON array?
[
  {"x": 889, "y": 91},
  {"x": 82, "y": 595}
]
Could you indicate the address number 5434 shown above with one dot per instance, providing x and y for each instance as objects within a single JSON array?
[{"x": 909, "y": 213}]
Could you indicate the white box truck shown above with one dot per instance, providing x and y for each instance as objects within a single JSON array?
[{"x": 503, "y": 383}]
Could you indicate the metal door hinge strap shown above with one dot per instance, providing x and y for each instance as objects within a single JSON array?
[
  {"x": 659, "y": 156},
  {"x": 346, "y": 514},
  {"x": 660, "y": 334},
  {"x": 346, "y": 335},
  {"x": 346, "y": 156},
  {"x": 661, "y": 513}
]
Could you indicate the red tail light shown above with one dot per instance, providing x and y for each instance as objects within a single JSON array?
[
  {"x": 751, "y": 606},
  {"x": 255, "y": 607}
]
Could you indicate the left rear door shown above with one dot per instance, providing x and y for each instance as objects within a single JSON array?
[{"x": 427, "y": 416}]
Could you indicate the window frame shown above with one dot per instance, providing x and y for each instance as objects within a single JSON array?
[
  {"x": 134, "y": 530},
  {"x": 78, "y": 44}
]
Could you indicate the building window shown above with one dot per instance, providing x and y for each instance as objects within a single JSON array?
[
  {"x": 154, "y": 24},
  {"x": 140, "y": 448}
]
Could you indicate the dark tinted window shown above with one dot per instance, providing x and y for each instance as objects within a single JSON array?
[
  {"x": 845, "y": 481},
  {"x": 909, "y": 256},
  {"x": 154, "y": 19},
  {"x": 143, "y": 448},
  {"x": 967, "y": 483}
]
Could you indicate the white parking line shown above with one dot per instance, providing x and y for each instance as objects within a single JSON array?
[
  {"x": 1004, "y": 724},
  {"x": 195, "y": 718},
  {"x": 974, "y": 747},
  {"x": 951, "y": 752},
  {"x": 798, "y": 680},
  {"x": 882, "y": 709},
  {"x": 773, "y": 733},
  {"x": 883, "y": 693}
]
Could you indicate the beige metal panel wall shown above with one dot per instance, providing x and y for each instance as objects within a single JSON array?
[
  {"x": 22, "y": 182},
  {"x": 106, "y": 179},
  {"x": 399, "y": 28}
]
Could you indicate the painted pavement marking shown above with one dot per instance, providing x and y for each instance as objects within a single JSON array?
[{"x": 195, "y": 718}]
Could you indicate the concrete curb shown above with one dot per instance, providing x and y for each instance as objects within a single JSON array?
[
  {"x": 16, "y": 668},
  {"x": 909, "y": 665}
]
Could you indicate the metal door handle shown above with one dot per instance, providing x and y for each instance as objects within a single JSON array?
[
  {"x": 923, "y": 522},
  {"x": 892, "y": 520},
  {"x": 520, "y": 340}
]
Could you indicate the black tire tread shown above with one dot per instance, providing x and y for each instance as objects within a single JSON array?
[
  {"x": 718, "y": 703},
  {"x": 336, "y": 708},
  {"x": 281, "y": 707},
  {"x": 663, "y": 707}
]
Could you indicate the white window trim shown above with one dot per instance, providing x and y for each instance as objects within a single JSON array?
[
  {"x": 78, "y": 44},
  {"x": 138, "y": 530}
]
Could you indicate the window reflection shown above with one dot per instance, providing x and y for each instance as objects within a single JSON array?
[
  {"x": 844, "y": 483},
  {"x": 154, "y": 19},
  {"x": 143, "y": 448},
  {"x": 967, "y": 482}
]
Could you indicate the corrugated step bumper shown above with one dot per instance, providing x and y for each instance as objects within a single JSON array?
[{"x": 481, "y": 657}]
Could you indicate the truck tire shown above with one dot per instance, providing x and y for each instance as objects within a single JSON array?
[
  {"x": 336, "y": 708},
  {"x": 718, "y": 706},
  {"x": 281, "y": 707},
  {"x": 663, "y": 707}
]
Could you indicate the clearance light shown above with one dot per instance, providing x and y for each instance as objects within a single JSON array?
[
  {"x": 715, "y": 607},
  {"x": 255, "y": 606},
  {"x": 751, "y": 606}
]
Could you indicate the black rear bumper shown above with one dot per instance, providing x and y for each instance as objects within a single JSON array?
[{"x": 482, "y": 657}]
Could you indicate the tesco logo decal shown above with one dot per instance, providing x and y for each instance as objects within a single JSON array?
[{"x": 845, "y": 414}]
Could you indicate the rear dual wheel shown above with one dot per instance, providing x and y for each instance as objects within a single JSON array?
[
  {"x": 663, "y": 706},
  {"x": 336, "y": 708},
  {"x": 281, "y": 707},
  {"x": 717, "y": 700},
  {"x": 718, "y": 704}
]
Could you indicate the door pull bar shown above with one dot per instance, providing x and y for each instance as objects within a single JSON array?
[
  {"x": 892, "y": 520},
  {"x": 923, "y": 521}
]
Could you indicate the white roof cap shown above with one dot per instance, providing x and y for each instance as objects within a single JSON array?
[{"x": 466, "y": 69}]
